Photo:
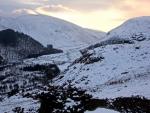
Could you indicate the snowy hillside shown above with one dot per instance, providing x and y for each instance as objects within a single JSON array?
[
  {"x": 15, "y": 46},
  {"x": 113, "y": 70},
  {"x": 50, "y": 30},
  {"x": 62, "y": 60},
  {"x": 132, "y": 27},
  {"x": 122, "y": 66}
]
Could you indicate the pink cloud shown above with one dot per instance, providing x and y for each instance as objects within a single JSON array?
[{"x": 54, "y": 9}]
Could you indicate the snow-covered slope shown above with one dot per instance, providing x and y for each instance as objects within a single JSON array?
[
  {"x": 114, "y": 76},
  {"x": 96, "y": 33},
  {"x": 10, "y": 103},
  {"x": 115, "y": 70},
  {"x": 132, "y": 27},
  {"x": 50, "y": 30},
  {"x": 15, "y": 46},
  {"x": 62, "y": 60}
]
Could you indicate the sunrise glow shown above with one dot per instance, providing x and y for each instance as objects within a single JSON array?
[{"x": 96, "y": 14}]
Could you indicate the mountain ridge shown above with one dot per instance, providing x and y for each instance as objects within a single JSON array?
[
  {"x": 131, "y": 27},
  {"x": 50, "y": 30}
]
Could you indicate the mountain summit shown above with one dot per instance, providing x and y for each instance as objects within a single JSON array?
[{"x": 132, "y": 27}]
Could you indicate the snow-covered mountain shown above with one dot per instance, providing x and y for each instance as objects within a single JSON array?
[
  {"x": 132, "y": 27},
  {"x": 117, "y": 67},
  {"x": 113, "y": 69},
  {"x": 50, "y": 30}
]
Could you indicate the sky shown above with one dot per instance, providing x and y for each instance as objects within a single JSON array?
[{"x": 101, "y": 15}]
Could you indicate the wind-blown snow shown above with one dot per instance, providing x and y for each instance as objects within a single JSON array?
[{"x": 50, "y": 30}]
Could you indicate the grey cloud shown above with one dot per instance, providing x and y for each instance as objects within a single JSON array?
[
  {"x": 54, "y": 8},
  {"x": 10, "y": 5},
  {"x": 86, "y": 5}
]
